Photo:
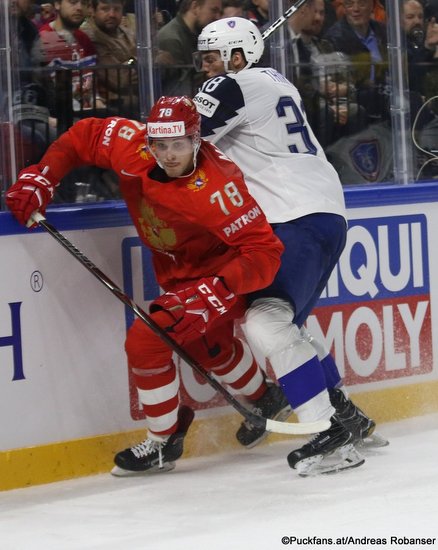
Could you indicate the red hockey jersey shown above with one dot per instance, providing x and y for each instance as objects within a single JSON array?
[{"x": 199, "y": 225}]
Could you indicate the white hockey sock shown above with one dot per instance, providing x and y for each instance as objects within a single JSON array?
[{"x": 317, "y": 408}]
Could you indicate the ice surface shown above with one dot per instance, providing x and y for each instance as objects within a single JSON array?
[{"x": 246, "y": 500}]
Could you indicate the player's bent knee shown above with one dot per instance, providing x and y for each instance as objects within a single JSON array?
[
  {"x": 268, "y": 325},
  {"x": 144, "y": 348}
]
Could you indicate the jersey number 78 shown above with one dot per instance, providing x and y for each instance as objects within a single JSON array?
[{"x": 232, "y": 193}]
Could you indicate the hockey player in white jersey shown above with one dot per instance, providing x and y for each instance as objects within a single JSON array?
[{"x": 256, "y": 117}]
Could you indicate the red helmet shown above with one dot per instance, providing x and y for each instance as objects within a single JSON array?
[{"x": 173, "y": 117}]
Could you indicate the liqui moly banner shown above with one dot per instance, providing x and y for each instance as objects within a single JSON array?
[
  {"x": 62, "y": 360},
  {"x": 374, "y": 315}
]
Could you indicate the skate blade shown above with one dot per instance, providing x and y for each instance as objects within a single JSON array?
[
  {"x": 282, "y": 416},
  {"x": 120, "y": 472},
  {"x": 345, "y": 458},
  {"x": 373, "y": 441}
]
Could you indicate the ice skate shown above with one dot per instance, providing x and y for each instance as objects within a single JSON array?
[
  {"x": 273, "y": 405},
  {"x": 151, "y": 456},
  {"x": 355, "y": 420},
  {"x": 328, "y": 452}
]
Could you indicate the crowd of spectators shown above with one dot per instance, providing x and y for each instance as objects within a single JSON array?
[
  {"x": 336, "y": 55},
  {"x": 116, "y": 51}
]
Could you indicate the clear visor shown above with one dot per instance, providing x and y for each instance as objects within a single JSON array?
[
  {"x": 197, "y": 61},
  {"x": 175, "y": 146},
  {"x": 205, "y": 60}
]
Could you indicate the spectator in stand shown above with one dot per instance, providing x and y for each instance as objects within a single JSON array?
[
  {"x": 30, "y": 99},
  {"x": 45, "y": 15},
  {"x": 65, "y": 45},
  {"x": 115, "y": 45},
  {"x": 378, "y": 14},
  {"x": 421, "y": 40},
  {"x": 421, "y": 43},
  {"x": 321, "y": 76},
  {"x": 257, "y": 11},
  {"x": 177, "y": 41},
  {"x": 233, "y": 8},
  {"x": 304, "y": 27},
  {"x": 29, "y": 44},
  {"x": 364, "y": 40},
  {"x": 431, "y": 15},
  {"x": 330, "y": 16},
  {"x": 339, "y": 113},
  {"x": 165, "y": 10},
  {"x": 431, "y": 42}
]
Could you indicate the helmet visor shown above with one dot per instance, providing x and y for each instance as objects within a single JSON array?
[
  {"x": 178, "y": 147},
  {"x": 210, "y": 62}
]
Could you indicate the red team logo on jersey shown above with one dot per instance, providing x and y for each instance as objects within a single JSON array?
[
  {"x": 198, "y": 181},
  {"x": 144, "y": 152}
]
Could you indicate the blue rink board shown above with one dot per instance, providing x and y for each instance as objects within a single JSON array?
[{"x": 115, "y": 214}]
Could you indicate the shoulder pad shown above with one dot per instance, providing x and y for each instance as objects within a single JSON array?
[
  {"x": 218, "y": 101},
  {"x": 222, "y": 89}
]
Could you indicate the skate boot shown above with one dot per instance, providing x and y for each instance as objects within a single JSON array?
[
  {"x": 272, "y": 405},
  {"x": 356, "y": 421},
  {"x": 327, "y": 452},
  {"x": 154, "y": 456}
]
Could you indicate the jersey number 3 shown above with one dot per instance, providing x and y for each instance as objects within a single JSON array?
[{"x": 297, "y": 127}]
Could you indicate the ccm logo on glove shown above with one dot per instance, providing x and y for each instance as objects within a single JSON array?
[
  {"x": 192, "y": 310},
  {"x": 33, "y": 191},
  {"x": 213, "y": 299}
]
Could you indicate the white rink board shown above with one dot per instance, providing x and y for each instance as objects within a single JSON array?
[
  {"x": 72, "y": 341},
  {"x": 74, "y": 380}
]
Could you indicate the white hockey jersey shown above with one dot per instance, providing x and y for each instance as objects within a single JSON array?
[{"x": 256, "y": 117}]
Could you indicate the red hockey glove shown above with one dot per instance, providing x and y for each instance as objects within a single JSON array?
[
  {"x": 33, "y": 190},
  {"x": 193, "y": 309}
]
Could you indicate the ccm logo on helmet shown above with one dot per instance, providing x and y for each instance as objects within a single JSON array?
[{"x": 206, "y": 104}]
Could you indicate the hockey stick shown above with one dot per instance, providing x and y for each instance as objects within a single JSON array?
[
  {"x": 279, "y": 22},
  {"x": 256, "y": 420}
]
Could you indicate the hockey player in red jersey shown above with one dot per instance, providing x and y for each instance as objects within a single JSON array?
[{"x": 210, "y": 243}]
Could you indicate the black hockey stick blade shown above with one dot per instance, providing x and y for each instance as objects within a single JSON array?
[{"x": 274, "y": 426}]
